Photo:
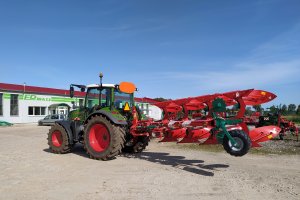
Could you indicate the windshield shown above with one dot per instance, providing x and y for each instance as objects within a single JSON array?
[
  {"x": 93, "y": 97},
  {"x": 121, "y": 98}
]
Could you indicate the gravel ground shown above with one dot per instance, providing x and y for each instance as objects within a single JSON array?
[
  {"x": 30, "y": 171},
  {"x": 286, "y": 146}
]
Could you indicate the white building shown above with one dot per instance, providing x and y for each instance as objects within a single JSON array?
[{"x": 27, "y": 104}]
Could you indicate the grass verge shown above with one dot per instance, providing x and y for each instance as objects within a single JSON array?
[{"x": 277, "y": 147}]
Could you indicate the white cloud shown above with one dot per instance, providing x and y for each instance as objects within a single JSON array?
[{"x": 241, "y": 76}]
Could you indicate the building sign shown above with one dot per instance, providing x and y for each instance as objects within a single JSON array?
[{"x": 33, "y": 97}]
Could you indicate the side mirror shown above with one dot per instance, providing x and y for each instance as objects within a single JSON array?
[
  {"x": 127, "y": 87},
  {"x": 82, "y": 89},
  {"x": 71, "y": 91}
]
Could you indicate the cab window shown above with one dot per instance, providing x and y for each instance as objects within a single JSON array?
[
  {"x": 93, "y": 97},
  {"x": 121, "y": 98}
]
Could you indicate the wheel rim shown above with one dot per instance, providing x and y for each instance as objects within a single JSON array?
[
  {"x": 57, "y": 138},
  {"x": 239, "y": 144},
  {"x": 99, "y": 137}
]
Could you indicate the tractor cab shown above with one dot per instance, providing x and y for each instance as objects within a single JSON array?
[
  {"x": 108, "y": 97},
  {"x": 114, "y": 99}
]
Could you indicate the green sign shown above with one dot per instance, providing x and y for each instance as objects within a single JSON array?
[{"x": 33, "y": 97}]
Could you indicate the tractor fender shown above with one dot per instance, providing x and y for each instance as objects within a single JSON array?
[
  {"x": 66, "y": 124},
  {"x": 109, "y": 116}
]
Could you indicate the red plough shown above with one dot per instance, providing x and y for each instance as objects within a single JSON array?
[{"x": 205, "y": 120}]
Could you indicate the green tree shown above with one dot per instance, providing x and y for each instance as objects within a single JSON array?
[
  {"x": 257, "y": 108},
  {"x": 273, "y": 109},
  {"x": 292, "y": 108},
  {"x": 283, "y": 109},
  {"x": 248, "y": 110},
  {"x": 298, "y": 110}
]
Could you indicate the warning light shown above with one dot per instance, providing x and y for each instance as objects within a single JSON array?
[
  {"x": 126, "y": 107},
  {"x": 270, "y": 136},
  {"x": 263, "y": 93}
]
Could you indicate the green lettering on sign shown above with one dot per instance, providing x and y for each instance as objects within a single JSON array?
[{"x": 33, "y": 97}]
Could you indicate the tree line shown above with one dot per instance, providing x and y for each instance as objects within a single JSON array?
[{"x": 284, "y": 109}]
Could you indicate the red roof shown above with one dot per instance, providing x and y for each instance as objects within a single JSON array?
[{"x": 37, "y": 90}]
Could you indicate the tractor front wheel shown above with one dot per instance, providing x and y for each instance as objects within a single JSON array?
[
  {"x": 102, "y": 139},
  {"x": 58, "y": 140},
  {"x": 243, "y": 143}
]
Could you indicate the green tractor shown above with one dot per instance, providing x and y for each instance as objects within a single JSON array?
[{"x": 105, "y": 124}]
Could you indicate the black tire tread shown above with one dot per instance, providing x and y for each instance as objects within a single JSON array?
[
  {"x": 117, "y": 134},
  {"x": 66, "y": 147},
  {"x": 244, "y": 136}
]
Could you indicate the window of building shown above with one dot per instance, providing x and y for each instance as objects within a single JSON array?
[
  {"x": 36, "y": 110},
  {"x": 30, "y": 110},
  {"x": 14, "y": 105},
  {"x": 1, "y": 104},
  {"x": 43, "y": 110}
]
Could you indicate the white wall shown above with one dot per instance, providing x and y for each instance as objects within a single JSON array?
[{"x": 23, "y": 117}]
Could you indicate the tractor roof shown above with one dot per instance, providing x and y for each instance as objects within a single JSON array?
[{"x": 98, "y": 85}]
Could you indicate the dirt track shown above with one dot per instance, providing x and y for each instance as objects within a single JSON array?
[{"x": 29, "y": 171}]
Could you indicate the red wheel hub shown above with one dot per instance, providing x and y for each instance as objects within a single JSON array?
[
  {"x": 99, "y": 137},
  {"x": 57, "y": 138}
]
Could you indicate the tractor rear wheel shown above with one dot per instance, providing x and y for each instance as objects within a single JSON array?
[
  {"x": 243, "y": 143},
  {"x": 137, "y": 146},
  {"x": 102, "y": 140},
  {"x": 58, "y": 140}
]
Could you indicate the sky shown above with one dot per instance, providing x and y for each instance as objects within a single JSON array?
[{"x": 168, "y": 48}]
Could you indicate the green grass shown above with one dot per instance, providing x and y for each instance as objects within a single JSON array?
[{"x": 294, "y": 118}]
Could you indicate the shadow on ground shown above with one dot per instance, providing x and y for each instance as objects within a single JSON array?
[
  {"x": 178, "y": 162},
  {"x": 77, "y": 149}
]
